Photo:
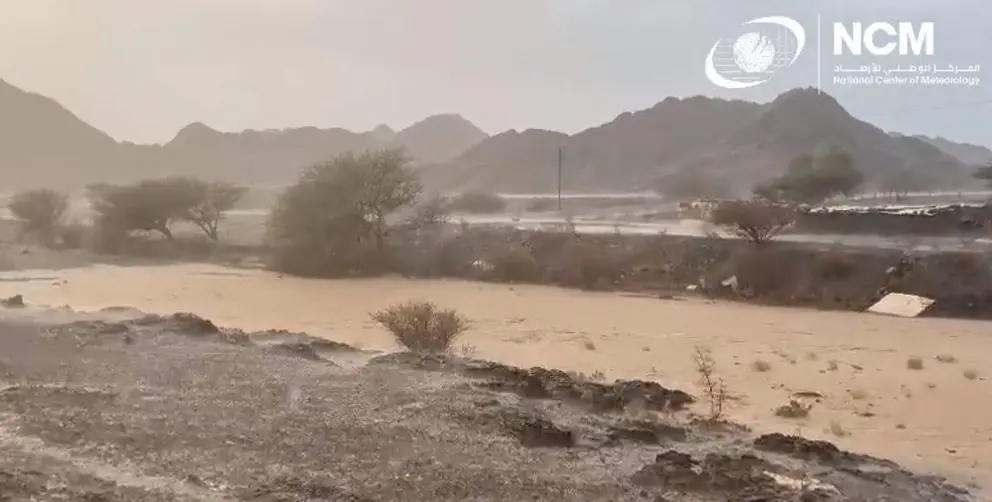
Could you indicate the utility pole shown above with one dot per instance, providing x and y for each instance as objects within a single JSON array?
[{"x": 559, "y": 178}]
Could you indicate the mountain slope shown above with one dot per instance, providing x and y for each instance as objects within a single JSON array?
[
  {"x": 805, "y": 121},
  {"x": 629, "y": 151},
  {"x": 440, "y": 138},
  {"x": 43, "y": 144},
  {"x": 965, "y": 152},
  {"x": 39, "y": 139},
  {"x": 684, "y": 147}
]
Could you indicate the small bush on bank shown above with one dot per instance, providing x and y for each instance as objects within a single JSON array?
[{"x": 422, "y": 326}]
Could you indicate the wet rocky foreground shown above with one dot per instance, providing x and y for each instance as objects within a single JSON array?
[{"x": 120, "y": 406}]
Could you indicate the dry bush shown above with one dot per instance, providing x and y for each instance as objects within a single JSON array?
[
  {"x": 795, "y": 409},
  {"x": 713, "y": 385},
  {"x": 761, "y": 366},
  {"x": 836, "y": 264},
  {"x": 422, "y": 326},
  {"x": 971, "y": 374},
  {"x": 946, "y": 359},
  {"x": 514, "y": 263},
  {"x": 832, "y": 365},
  {"x": 757, "y": 221},
  {"x": 914, "y": 363}
]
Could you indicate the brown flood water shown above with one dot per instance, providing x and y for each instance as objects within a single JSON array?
[{"x": 934, "y": 419}]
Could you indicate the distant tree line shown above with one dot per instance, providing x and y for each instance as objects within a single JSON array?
[{"x": 122, "y": 210}]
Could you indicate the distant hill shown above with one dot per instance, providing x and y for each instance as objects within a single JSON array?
[
  {"x": 623, "y": 154},
  {"x": 702, "y": 146},
  {"x": 683, "y": 147},
  {"x": 440, "y": 138},
  {"x": 805, "y": 121},
  {"x": 43, "y": 144},
  {"x": 965, "y": 152}
]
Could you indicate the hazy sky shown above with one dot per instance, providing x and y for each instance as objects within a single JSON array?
[{"x": 142, "y": 69}]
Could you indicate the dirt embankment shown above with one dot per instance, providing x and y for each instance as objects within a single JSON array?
[
  {"x": 122, "y": 406},
  {"x": 779, "y": 273}
]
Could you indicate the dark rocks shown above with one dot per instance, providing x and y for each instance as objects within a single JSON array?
[
  {"x": 190, "y": 324},
  {"x": 182, "y": 323},
  {"x": 541, "y": 383},
  {"x": 646, "y": 432},
  {"x": 742, "y": 477},
  {"x": 537, "y": 432},
  {"x": 301, "y": 350},
  {"x": 14, "y": 302},
  {"x": 90, "y": 329},
  {"x": 800, "y": 447}
]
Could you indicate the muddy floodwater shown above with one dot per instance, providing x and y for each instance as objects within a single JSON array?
[{"x": 854, "y": 368}]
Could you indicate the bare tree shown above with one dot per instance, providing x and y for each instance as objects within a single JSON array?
[{"x": 755, "y": 220}]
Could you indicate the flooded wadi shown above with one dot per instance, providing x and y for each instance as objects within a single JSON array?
[{"x": 913, "y": 390}]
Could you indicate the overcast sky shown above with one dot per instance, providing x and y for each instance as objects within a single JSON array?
[{"x": 142, "y": 69}]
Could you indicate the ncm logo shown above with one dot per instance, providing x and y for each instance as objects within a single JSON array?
[
  {"x": 767, "y": 45},
  {"x": 908, "y": 39}
]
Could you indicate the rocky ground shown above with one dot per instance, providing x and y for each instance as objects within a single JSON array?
[{"x": 123, "y": 406}]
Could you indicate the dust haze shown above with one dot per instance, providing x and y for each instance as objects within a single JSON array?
[{"x": 311, "y": 250}]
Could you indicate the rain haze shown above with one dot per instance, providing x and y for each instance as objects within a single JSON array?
[
  {"x": 449, "y": 250},
  {"x": 140, "y": 71}
]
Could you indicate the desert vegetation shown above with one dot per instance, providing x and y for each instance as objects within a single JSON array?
[
  {"x": 755, "y": 220},
  {"x": 422, "y": 326},
  {"x": 41, "y": 212},
  {"x": 812, "y": 179},
  {"x": 336, "y": 220},
  {"x": 155, "y": 205},
  {"x": 713, "y": 385},
  {"x": 366, "y": 215}
]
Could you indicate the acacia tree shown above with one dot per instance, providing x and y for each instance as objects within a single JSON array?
[
  {"x": 811, "y": 180},
  {"x": 205, "y": 203},
  {"x": 149, "y": 206},
  {"x": 40, "y": 211},
  {"x": 755, "y": 220},
  {"x": 334, "y": 219},
  {"x": 155, "y": 205}
]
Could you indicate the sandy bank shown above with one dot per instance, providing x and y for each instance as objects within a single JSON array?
[{"x": 932, "y": 419}]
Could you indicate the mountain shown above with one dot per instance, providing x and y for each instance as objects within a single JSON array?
[
  {"x": 622, "y": 154},
  {"x": 804, "y": 121},
  {"x": 968, "y": 153},
  {"x": 681, "y": 147},
  {"x": 703, "y": 146},
  {"x": 278, "y": 155},
  {"x": 43, "y": 144},
  {"x": 440, "y": 138},
  {"x": 40, "y": 140}
]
